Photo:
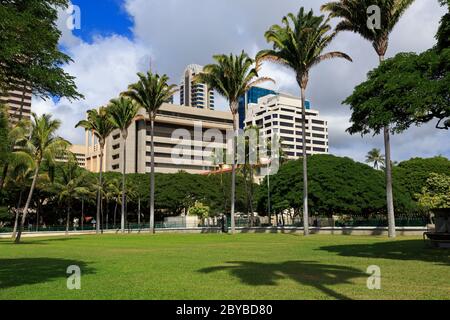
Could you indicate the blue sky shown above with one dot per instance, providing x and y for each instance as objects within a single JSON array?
[
  {"x": 104, "y": 18},
  {"x": 119, "y": 38}
]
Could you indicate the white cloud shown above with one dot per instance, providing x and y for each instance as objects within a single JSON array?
[
  {"x": 176, "y": 33},
  {"x": 102, "y": 69}
]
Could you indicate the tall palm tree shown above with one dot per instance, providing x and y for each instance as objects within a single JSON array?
[
  {"x": 299, "y": 44},
  {"x": 232, "y": 76},
  {"x": 355, "y": 19},
  {"x": 43, "y": 145},
  {"x": 123, "y": 112},
  {"x": 150, "y": 93},
  {"x": 376, "y": 158},
  {"x": 99, "y": 123}
]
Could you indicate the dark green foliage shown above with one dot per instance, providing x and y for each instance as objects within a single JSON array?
[
  {"x": 29, "y": 48},
  {"x": 338, "y": 186},
  {"x": 4, "y": 128},
  {"x": 406, "y": 90},
  {"x": 443, "y": 34},
  {"x": 412, "y": 175}
]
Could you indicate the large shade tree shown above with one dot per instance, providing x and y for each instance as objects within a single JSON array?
[
  {"x": 232, "y": 76},
  {"x": 43, "y": 144},
  {"x": 123, "y": 112},
  {"x": 376, "y": 29},
  {"x": 99, "y": 123},
  {"x": 299, "y": 44},
  {"x": 29, "y": 53},
  {"x": 150, "y": 93}
]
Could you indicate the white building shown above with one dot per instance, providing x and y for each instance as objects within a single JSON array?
[
  {"x": 281, "y": 115},
  {"x": 196, "y": 95},
  {"x": 18, "y": 102}
]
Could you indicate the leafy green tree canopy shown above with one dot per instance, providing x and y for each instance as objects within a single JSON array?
[
  {"x": 29, "y": 52},
  {"x": 406, "y": 90}
]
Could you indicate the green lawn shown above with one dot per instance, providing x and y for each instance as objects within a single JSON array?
[{"x": 246, "y": 266}]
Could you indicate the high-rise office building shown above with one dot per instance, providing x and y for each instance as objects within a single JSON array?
[
  {"x": 205, "y": 130},
  {"x": 18, "y": 102},
  {"x": 251, "y": 96},
  {"x": 196, "y": 95},
  {"x": 281, "y": 115}
]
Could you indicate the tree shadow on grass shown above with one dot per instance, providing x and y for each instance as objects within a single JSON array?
[
  {"x": 19, "y": 272},
  {"x": 405, "y": 250},
  {"x": 307, "y": 273}
]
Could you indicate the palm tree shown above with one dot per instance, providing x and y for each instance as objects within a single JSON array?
[
  {"x": 99, "y": 122},
  {"x": 123, "y": 111},
  {"x": 232, "y": 76},
  {"x": 14, "y": 141},
  {"x": 299, "y": 44},
  {"x": 150, "y": 93},
  {"x": 355, "y": 19},
  {"x": 71, "y": 186},
  {"x": 42, "y": 144},
  {"x": 376, "y": 158}
]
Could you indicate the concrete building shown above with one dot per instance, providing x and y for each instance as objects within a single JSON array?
[
  {"x": 79, "y": 151},
  {"x": 18, "y": 103},
  {"x": 196, "y": 95},
  {"x": 281, "y": 114},
  {"x": 203, "y": 131}
]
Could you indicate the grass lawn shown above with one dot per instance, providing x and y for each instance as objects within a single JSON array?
[{"x": 245, "y": 266}]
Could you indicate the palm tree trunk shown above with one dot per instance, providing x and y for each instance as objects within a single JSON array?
[
  {"x": 99, "y": 195},
  {"x": 16, "y": 220},
  {"x": 233, "y": 175},
  {"x": 122, "y": 221},
  {"x": 27, "y": 204},
  {"x": 152, "y": 177},
  {"x": 68, "y": 219},
  {"x": 389, "y": 192},
  {"x": 252, "y": 211},
  {"x": 3, "y": 177},
  {"x": 305, "y": 168},
  {"x": 139, "y": 213}
]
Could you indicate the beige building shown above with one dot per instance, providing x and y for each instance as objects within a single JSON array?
[
  {"x": 79, "y": 151},
  {"x": 193, "y": 133},
  {"x": 196, "y": 95},
  {"x": 18, "y": 103},
  {"x": 281, "y": 115}
]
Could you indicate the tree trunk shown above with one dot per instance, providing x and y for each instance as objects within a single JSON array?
[
  {"x": 233, "y": 175},
  {"x": 100, "y": 185},
  {"x": 16, "y": 220},
  {"x": 305, "y": 168},
  {"x": 27, "y": 204},
  {"x": 389, "y": 193},
  {"x": 139, "y": 213},
  {"x": 122, "y": 220},
  {"x": 3, "y": 177},
  {"x": 152, "y": 177},
  {"x": 68, "y": 218},
  {"x": 268, "y": 196},
  {"x": 82, "y": 214},
  {"x": 115, "y": 213},
  {"x": 252, "y": 211}
]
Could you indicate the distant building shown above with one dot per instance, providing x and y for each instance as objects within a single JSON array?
[
  {"x": 18, "y": 102},
  {"x": 251, "y": 96},
  {"x": 196, "y": 95},
  {"x": 281, "y": 115},
  {"x": 79, "y": 151},
  {"x": 169, "y": 119}
]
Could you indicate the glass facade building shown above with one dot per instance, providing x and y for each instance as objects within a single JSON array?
[{"x": 252, "y": 96}]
